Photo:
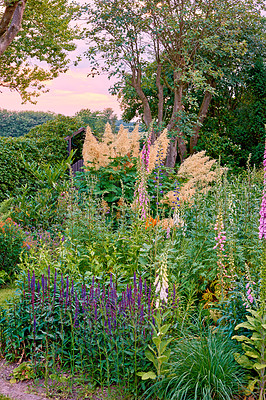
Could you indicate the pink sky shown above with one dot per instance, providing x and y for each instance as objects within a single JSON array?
[{"x": 68, "y": 93}]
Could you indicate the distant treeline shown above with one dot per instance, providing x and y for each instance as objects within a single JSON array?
[{"x": 19, "y": 123}]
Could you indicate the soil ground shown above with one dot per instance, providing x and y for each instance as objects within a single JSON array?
[{"x": 29, "y": 390}]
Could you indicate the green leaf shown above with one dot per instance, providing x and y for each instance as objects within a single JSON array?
[
  {"x": 149, "y": 356},
  {"x": 13, "y": 380},
  {"x": 259, "y": 366},
  {"x": 240, "y": 338},
  {"x": 245, "y": 325},
  {"x": 165, "y": 328},
  {"x": 243, "y": 361},
  {"x": 156, "y": 340},
  {"x": 164, "y": 344},
  {"x": 147, "y": 375},
  {"x": 251, "y": 354}
]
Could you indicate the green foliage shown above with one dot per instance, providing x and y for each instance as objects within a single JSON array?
[
  {"x": 12, "y": 243},
  {"x": 23, "y": 372},
  {"x": 201, "y": 367},
  {"x": 19, "y": 123},
  {"x": 45, "y": 39},
  {"x": 45, "y": 148},
  {"x": 47, "y": 207},
  {"x": 235, "y": 126},
  {"x": 254, "y": 348},
  {"x": 97, "y": 120},
  {"x": 161, "y": 354},
  {"x": 53, "y": 321}
]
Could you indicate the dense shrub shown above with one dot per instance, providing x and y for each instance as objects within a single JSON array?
[
  {"x": 13, "y": 174},
  {"x": 12, "y": 242}
]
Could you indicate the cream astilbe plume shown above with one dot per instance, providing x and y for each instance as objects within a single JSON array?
[
  {"x": 134, "y": 141},
  {"x": 90, "y": 150},
  {"x": 198, "y": 170},
  {"x": 158, "y": 150},
  {"x": 101, "y": 153},
  {"x": 122, "y": 143}
]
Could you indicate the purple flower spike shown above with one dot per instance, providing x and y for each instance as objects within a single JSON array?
[
  {"x": 38, "y": 287},
  {"x": 72, "y": 288},
  {"x": 55, "y": 276},
  {"x": 67, "y": 291},
  {"x": 33, "y": 282},
  {"x": 34, "y": 325},
  {"x": 76, "y": 310},
  {"x": 29, "y": 279},
  {"x": 140, "y": 285}
]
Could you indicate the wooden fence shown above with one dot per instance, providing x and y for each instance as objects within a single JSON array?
[{"x": 77, "y": 166}]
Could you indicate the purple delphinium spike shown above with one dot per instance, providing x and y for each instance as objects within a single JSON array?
[
  {"x": 62, "y": 284},
  {"x": 76, "y": 310},
  {"x": 38, "y": 287},
  {"x": 29, "y": 279},
  {"x": 149, "y": 302},
  {"x": 43, "y": 285},
  {"x": 135, "y": 282},
  {"x": 139, "y": 301},
  {"x": 67, "y": 291},
  {"x": 140, "y": 285},
  {"x": 145, "y": 288},
  {"x": 109, "y": 325},
  {"x": 33, "y": 282},
  {"x": 72, "y": 288},
  {"x": 142, "y": 314},
  {"x": 34, "y": 325},
  {"x": 55, "y": 276},
  {"x": 33, "y": 290}
]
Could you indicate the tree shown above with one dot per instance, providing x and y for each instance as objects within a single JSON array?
[
  {"x": 19, "y": 123},
  {"x": 235, "y": 126},
  {"x": 97, "y": 120},
  {"x": 189, "y": 44},
  {"x": 34, "y": 32}
]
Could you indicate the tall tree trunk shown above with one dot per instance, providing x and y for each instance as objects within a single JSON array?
[
  {"x": 201, "y": 116},
  {"x": 136, "y": 83},
  {"x": 10, "y": 23},
  {"x": 178, "y": 145},
  {"x": 160, "y": 93}
]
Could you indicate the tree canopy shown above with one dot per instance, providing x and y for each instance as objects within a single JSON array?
[
  {"x": 35, "y": 38},
  {"x": 190, "y": 46},
  {"x": 19, "y": 123}
]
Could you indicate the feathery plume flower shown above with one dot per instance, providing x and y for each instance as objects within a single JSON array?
[
  {"x": 161, "y": 281},
  {"x": 220, "y": 239}
]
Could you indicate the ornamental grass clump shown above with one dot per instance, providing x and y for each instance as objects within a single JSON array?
[{"x": 201, "y": 367}]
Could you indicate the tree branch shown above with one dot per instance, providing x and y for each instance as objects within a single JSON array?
[{"x": 11, "y": 23}]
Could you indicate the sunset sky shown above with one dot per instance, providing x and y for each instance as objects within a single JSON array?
[{"x": 70, "y": 92}]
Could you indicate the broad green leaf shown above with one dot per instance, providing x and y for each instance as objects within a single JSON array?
[
  {"x": 147, "y": 375},
  {"x": 259, "y": 366},
  {"x": 243, "y": 361},
  {"x": 149, "y": 356}
]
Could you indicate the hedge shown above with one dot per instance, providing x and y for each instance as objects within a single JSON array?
[{"x": 13, "y": 175}]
